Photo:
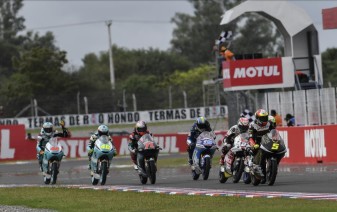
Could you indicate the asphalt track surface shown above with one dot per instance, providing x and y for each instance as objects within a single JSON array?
[{"x": 299, "y": 180}]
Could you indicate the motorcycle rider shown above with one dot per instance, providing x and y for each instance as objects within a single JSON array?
[
  {"x": 272, "y": 122},
  {"x": 259, "y": 127},
  {"x": 47, "y": 132},
  {"x": 101, "y": 130},
  {"x": 241, "y": 127},
  {"x": 199, "y": 126},
  {"x": 139, "y": 130}
]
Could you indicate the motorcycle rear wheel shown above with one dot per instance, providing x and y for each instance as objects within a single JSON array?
[
  {"x": 54, "y": 172},
  {"x": 195, "y": 176},
  {"x": 222, "y": 178},
  {"x": 246, "y": 178},
  {"x": 207, "y": 168},
  {"x": 94, "y": 181},
  {"x": 46, "y": 180},
  {"x": 255, "y": 181}
]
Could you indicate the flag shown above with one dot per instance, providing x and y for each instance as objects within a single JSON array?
[{"x": 225, "y": 35}]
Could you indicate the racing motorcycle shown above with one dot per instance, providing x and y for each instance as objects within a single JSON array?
[
  {"x": 51, "y": 161},
  {"x": 203, "y": 154},
  {"x": 252, "y": 172},
  {"x": 101, "y": 159},
  {"x": 235, "y": 161},
  {"x": 147, "y": 153},
  {"x": 273, "y": 150}
]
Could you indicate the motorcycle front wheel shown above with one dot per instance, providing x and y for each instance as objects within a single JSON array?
[
  {"x": 151, "y": 171},
  {"x": 207, "y": 168},
  {"x": 54, "y": 172},
  {"x": 238, "y": 170},
  {"x": 104, "y": 173},
  {"x": 271, "y": 171}
]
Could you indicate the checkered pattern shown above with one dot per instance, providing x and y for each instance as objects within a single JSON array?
[{"x": 224, "y": 36}]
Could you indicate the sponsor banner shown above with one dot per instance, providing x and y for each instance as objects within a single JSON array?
[
  {"x": 305, "y": 144},
  {"x": 258, "y": 74},
  {"x": 120, "y": 117},
  {"x": 329, "y": 18},
  {"x": 14, "y": 145}
]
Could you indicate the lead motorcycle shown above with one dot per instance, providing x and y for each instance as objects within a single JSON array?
[
  {"x": 101, "y": 159},
  {"x": 235, "y": 159},
  {"x": 51, "y": 161},
  {"x": 203, "y": 154},
  {"x": 147, "y": 154},
  {"x": 273, "y": 150}
]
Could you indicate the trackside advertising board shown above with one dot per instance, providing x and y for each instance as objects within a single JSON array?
[
  {"x": 121, "y": 117},
  {"x": 258, "y": 74},
  {"x": 305, "y": 145}
]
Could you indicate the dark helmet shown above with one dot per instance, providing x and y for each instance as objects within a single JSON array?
[
  {"x": 141, "y": 127},
  {"x": 243, "y": 124},
  {"x": 261, "y": 117},
  {"x": 202, "y": 124},
  {"x": 103, "y": 130}
]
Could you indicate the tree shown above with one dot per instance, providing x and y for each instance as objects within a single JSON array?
[
  {"x": 194, "y": 35},
  {"x": 329, "y": 66},
  {"x": 39, "y": 75}
]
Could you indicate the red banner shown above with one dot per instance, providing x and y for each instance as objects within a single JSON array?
[
  {"x": 329, "y": 18},
  {"x": 252, "y": 72},
  {"x": 305, "y": 144}
]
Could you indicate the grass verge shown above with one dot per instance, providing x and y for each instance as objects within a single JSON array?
[{"x": 68, "y": 199}]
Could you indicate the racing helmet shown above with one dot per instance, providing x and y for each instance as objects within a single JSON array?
[
  {"x": 272, "y": 121},
  {"x": 141, "y": 127},
  {"x": 202, "y": 123},
  {"x": 261, "y": 117},
  {"x": 103, "y": 130},
  {"x": 243, "y": 124},
  {"x": 47, "y": 129}
]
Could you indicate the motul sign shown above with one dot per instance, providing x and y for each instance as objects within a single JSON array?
[
  {"x": 329, "y": 18},
  {"x": 237, "y": 75}
]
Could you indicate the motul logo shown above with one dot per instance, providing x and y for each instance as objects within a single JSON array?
[
  {"x": 314, "y": 143},
  {"x": 257, "y": 71}
]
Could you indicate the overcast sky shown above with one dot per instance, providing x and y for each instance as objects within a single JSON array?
[{"x": 79, "y": 26}]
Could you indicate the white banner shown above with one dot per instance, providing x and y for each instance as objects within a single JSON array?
[{"x": 121, "y": 117}]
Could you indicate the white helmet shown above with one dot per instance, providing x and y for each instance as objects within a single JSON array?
[
  {"x": 47, "y": 129},
  {"x": 103, "y": 130}
]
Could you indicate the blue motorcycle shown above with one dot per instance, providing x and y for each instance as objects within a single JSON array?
[
  {"x": 101, "y": 159},
  {"x": 51, "y": 161},
  {"x": 203, "y": 154}
]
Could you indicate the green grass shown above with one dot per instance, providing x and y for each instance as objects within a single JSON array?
[{"x": 73, "y": 199}]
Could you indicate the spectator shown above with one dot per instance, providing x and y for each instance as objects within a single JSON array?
[
  {"x": 278, "y": 118},
  {"x": 226, "y": 54},
  {"x": 290, "y": 119}
]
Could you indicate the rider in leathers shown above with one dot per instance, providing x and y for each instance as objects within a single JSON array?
[
  {"x": 241, "y": 127},
  {"x": 139, "y": 130},
  {"x": 199, "y": 126},
  {"x": 47, "y": 132},
  {"x": 259, "y": 127}
]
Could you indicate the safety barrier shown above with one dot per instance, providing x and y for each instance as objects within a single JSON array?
[{"x": 314, "y": 144}]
